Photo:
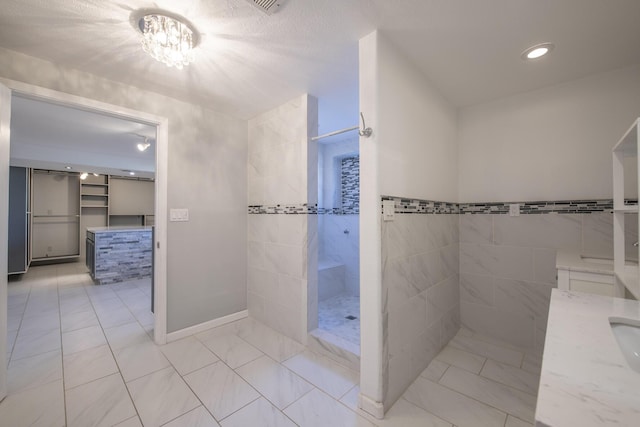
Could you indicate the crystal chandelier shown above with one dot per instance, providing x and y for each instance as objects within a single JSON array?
[{"x": 167, "y": 39}]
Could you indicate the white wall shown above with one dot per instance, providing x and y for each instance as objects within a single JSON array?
[
  {"x": 206, "y": 257},
  {"x": 412, "y": 154},
  {"x": 417, "y": 131},
  {"x": 550, "y": 144}
]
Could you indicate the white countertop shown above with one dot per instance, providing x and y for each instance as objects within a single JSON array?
[
  {"x": 585, "y": 379},
  {"x": 119, "y": 228}
]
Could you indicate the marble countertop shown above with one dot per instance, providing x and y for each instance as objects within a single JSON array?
[
  {"x": 585, "y": 379},
  {"x": 574, "y": 261},
  {"x": 119, "y": 228}
]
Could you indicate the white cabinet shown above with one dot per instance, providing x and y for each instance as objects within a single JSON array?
[
  {"x": 56, "y": 215},
  {"x": 626, "y": 274}
]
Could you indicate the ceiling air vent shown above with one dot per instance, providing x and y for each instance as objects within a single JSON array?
[{"x": 267, "y": 6}]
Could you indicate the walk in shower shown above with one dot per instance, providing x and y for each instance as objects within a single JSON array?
[{"x": 338, "y": 237}]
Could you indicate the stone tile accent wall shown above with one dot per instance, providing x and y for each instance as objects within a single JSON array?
[
  {"x": 122, "y": 256},
  {"x": 350, "y": 184},
  {"x": 421, "y": 300}
]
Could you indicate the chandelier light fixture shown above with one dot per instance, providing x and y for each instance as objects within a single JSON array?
[{"x": 169, "y": 39}]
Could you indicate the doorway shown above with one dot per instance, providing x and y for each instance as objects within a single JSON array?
[{"x": 22, "y": 90}]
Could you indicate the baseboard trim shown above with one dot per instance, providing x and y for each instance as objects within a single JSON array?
[
  {"x": 370, "y": 406},
  {"x": 183, "y": 333}
]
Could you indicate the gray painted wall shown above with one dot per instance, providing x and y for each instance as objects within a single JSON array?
[{"x": 206, "y": 257}]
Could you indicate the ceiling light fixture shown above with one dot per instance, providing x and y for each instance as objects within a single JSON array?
[
  {"x": 142, "y": 146},
  {"x": 68, "y": 168},
  {"x": 84, "y": 175},
  {"x": 132, "y": 173},
  {"x": 167, "y": 38},
  {"x": 537, "y": 51}
]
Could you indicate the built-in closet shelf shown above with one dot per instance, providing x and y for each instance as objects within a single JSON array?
[
  {"x": 626, "y": 276},
  {"x": 56, "y": 216}
]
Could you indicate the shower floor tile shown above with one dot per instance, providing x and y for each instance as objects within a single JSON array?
[{"x": 334, "y": 316}]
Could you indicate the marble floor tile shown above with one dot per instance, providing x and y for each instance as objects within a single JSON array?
[
  {"x": 40, "y": 324},
  {"x": 532, "y": 363},
  {"x": 435, "y": 370},
  {"x": 131, "y": 422},
  {"x": 513, "y": 377},
  {"x": 488, "y": 350},
  {"x": 402, "y": 413},
  {"x": 11, "y": 341},
  {"x": 316, "y": 409},
  {"x": 275, "y": 382},
  {"x": 117, "y": 316},
  {"x": 504, "y": 398},
  {"x": 452, "y": 406},
  {"x": 220, "y": 389},
  {"x": 79, "y": 320},
  {"x": 34, "y": 371},
  {"x": 88, "y": 365},
  {"x": 332, "y": 316},
  {"x": 82, "y": 339},
  {"x": 461, "y": 359},
  {"x": 324, "y": 373},
  {"x": 515, "y": 422},
  {"x": 233, "y": 350},
  {"x": 258, "y": 413},
  {"x": 125, "y": 335},
  {"x": 161, "y": 397},
  {"x": 103, "y": 402},
  {"x": 198, "y": 417},
  {"x": 141, "y": 359},
  {"x": 34, "y": 344},
  {"x": 279, "y": 347},
  {"x": 41, "y": 406},
  {"x": 188, "y": 355}
]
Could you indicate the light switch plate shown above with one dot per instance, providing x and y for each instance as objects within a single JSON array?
[
  {"x": 388, "y": 210},
  {"x": 178, "y": 215}
]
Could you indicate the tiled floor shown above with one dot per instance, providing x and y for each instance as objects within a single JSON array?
[
  {"x": 332, "y": 317},
  {"x": 81, "y": 355}
]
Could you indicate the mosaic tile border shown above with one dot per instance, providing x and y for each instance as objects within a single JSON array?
[
  {"x": 417, "y": 206},
  {"x": 287, "y": 209},
  {"x": 298, "y": 209}
]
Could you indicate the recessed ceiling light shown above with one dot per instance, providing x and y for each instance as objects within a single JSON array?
[
  {"x": 68, "y": 168},
  {"x": 537, "y": 51},
  {"x": 84, "y": 175},
  {"x": 132, "y": 173}
]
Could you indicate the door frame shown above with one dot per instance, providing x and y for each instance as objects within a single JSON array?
[
  {"x": 161, "y": 180},
  {"x": 5, "y": 120}
]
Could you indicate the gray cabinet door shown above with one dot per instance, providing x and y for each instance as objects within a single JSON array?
[{"x": 18, "y": 220}]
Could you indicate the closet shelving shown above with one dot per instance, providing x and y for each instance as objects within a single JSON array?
[{"x": 627, "y": 277}]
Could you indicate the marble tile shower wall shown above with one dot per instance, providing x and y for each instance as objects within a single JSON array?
[
  {"x": 336, "y": 246},
  {"x": 420, "y": 287},
  {"x": 282, "y": 244},
  {"x": 277, "y": 273},
  {"x": 507, "y": 268}
]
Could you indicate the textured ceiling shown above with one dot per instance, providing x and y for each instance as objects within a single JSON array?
[
  {"x": 249, "y": 62},
  {"x": 52, "y": 136}
]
